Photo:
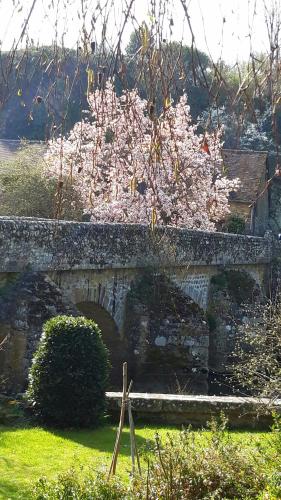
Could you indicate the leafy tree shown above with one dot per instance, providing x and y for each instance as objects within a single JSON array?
[
  {"x": 240, "y": 133},
  {"x": 58, "y": 77},
  {"x": 26, "y": 191},
  {"x": 221, "y": 117}
]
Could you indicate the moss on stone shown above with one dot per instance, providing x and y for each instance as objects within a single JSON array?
[
  {"x": 239, "y": 285},
  {"x": 7, "y": 284},
  {"x": 158, "y": 294}
]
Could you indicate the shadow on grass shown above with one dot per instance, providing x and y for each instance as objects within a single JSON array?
[{"x": 100, "y": 438}]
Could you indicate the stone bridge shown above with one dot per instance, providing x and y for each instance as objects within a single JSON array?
[{"x": 53, "y": 267}]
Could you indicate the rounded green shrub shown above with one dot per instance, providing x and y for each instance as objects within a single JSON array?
[{"x": 69, "y": 373}]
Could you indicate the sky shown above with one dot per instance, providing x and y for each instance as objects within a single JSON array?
[{"x": 230, "y": 29}]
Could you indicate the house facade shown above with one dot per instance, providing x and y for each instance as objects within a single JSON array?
[{"x": 251, "y": 200}]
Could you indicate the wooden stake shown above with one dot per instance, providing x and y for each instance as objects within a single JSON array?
[
  {"x": 112, "y": 469},
  {"x": 131, "y": 437},
  {"x": 134, "y": 450}
]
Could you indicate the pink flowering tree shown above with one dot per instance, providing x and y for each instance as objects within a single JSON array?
[{"x": 130, "y": 165}]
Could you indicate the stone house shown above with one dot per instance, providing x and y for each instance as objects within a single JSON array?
[{"x": 251, "y": 200}]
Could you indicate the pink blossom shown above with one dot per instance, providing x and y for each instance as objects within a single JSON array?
[{"x": 130, "y": 167}]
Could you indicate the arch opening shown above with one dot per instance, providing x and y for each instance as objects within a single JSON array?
[
  {"x": 111, "y": 337},
  {"x": 231, "y": 294}
]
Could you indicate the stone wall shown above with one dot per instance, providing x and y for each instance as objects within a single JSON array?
[
  {"x": 27, "y": 300},
  {"x": 173, "y": 409}
]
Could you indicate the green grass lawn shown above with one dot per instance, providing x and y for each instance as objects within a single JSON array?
[{"x": 28, "y": 453}]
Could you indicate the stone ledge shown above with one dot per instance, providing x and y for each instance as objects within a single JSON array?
[{"x": 173, "y": 409}]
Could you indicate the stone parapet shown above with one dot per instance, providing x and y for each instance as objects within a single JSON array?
[{"x": 44, "y": 245}]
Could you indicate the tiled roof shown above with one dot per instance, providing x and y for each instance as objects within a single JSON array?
[{"x": 251, "y": 168}]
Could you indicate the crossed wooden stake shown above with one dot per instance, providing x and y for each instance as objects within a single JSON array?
[{"x": 126, "y": 402}]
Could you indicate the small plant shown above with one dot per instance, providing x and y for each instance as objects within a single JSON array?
[
  {"x": 276, "y": 430},
  {"x": 68, "y": 377},
  {"x": 11, "y": 411},
  {"x": 71, "y": 486},
  {"x": 234, "y": 224}
]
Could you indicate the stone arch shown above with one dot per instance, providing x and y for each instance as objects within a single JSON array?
[
  {"x": 230, "y": 290},
  {"x": 111, "y": 337},
  {"x": 108, "y": 288}
]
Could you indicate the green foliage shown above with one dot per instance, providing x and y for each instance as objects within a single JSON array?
[
  {"x": 26, "y": 191},
  {"x": 234, "y": 224},
  {"x": 151, "y": 288},
  {"x": 186, "y": 77},
  {"x": 219, "y": 280},
  {"x": 276, "y": 430},
  {"x": 27, "y": 452},
  {"x": 69, "y": 373},
  {"x": 159, "y": 294},
  {"x": 240, "y": 286},
  {"x": 273, "y": 490},
  {"x": 213, "y": 467},
  {"x": 64, "y": 94},
  {"x": 70, "y": 486},
  {"x": 8, "y": 284}
]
